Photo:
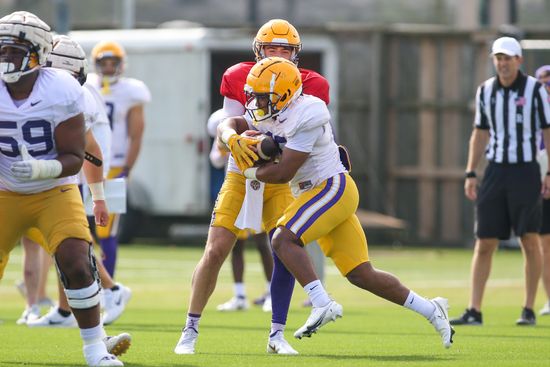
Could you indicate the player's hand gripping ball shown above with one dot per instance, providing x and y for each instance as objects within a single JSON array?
[{"x": 266, "y": 148}]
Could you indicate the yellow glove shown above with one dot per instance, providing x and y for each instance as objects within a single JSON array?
[{"x": 240, "y": 149}]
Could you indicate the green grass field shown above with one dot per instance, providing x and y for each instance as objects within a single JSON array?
[{"x": 372, "y": 332}]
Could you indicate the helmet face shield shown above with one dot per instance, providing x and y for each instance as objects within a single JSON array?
[
  {"x": 109, "y": 67},
  {"x": 271, "y": 86},
  {"x": 23, "y": 29},
  {"x": 261, "y": 107},
  {"x": 17, "y": 58}
]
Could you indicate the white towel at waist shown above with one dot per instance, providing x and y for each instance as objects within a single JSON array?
[{"x": 250, "y": 216}]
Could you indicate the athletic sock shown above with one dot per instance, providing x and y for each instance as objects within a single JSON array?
[
  {"x": 92, "y": 335},
  {"x": 109, "y": 248},
  {"x": 282, "y": 286},
  {"x": 276, "y": 328},
  {"x": 192, "y": 321},
  {"x": 317, "y": 293},
  {"x": 419, "y": 304},
  {"x": 240, "y": 290}
]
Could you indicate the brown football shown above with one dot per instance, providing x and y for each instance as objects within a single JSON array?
[{"x": 268, "y": 149}]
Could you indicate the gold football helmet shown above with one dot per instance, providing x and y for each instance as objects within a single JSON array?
[
  {"x": 277, "y": 32},
  {"x": 109, "y": 49},
  {"x": 271, "y": 85}
]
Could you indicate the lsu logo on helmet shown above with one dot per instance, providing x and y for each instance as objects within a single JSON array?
[
  {"x": 27, "y": 33},
  {"x": 277, "y": 32},
  {"x": 271, "y": 85}
]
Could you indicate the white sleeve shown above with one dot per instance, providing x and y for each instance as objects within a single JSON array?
[
  {"x": 304, "y": 140},
  {"x": 102, "y": 133},
  {"x": 232, "y": 107},
  {"x": 214, "y": 120}
]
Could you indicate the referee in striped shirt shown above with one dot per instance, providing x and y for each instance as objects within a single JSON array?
[{"x": 511, "y": 110}]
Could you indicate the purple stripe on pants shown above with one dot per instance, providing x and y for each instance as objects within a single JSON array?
[
  {"x": 309, "y": 203},
  {"x": 324, "y": 208}
]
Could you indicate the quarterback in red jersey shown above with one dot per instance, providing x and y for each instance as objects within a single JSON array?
[
  {"x": 234, "y": 80},
  {"x": 275, "y": 38}
]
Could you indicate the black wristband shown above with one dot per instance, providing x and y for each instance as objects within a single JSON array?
[
  {"x": 548, "y": 173},
  {"x": 470, "y": 174}
]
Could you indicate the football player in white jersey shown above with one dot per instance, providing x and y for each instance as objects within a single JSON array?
[
  {"x": 41, "y": 150},
  {"x": 68, "y": 55},
  {"x": 326, "y": 196},
  {"x": 125, "y": 99}
]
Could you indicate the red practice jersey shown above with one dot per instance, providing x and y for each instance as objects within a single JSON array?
[{"x": 234, "y": 79}]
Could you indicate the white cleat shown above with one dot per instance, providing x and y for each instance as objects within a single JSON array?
[
  {"x": 545, "y": 310},
  {"x": 186, "y": 344},
  {"x": 118, "y": 344},
  {"x": 30, "y": 314},
  {"x": 234, "y": 304},
  {"x": 319, "y": 316},
  {"x": 266, "y": 307},
  {"x": 278, "y": 345},
  {"x": 115, "y": 302},
  {"x": 107, "y": 360},
  {"x": 96, "y": 355},
  {"x": 440, "y": 321},
  {"x": 54, "y": 319}
]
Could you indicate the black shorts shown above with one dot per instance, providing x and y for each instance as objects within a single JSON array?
[
  {"x": 509, "y": 198},
  {"x": 545, "y": 227}
]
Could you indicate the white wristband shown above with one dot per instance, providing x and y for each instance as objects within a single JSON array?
[
  {"x": 97, "y": 191},
  {"x": 47, "y": 168},
  {"x": 227, "y": 133},
  {"x": 250, "y": 173}
]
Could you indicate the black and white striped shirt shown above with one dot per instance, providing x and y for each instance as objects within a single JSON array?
[{"x": 514, "y": 116}]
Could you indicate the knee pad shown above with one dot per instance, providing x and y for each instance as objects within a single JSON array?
[
  {"x": 87, "y": 297},
  {"x": 83, "y": 298}
]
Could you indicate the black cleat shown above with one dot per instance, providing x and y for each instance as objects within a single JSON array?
[
  {"x": 469, "y": 317},
  {"x": 527, "y": 317}
]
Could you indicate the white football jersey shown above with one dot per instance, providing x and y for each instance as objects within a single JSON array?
[
  {"x": 96, "y": 114},
  {"x": 101, "y": 127},
  {"x": 305, "y": 127},
  {"x": 56, "y": 97},
  {"x": 123, "y": 95}
]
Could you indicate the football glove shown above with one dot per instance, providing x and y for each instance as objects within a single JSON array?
[
  {"x": 35, "y": 169},
  {"x": 240, "y": 149}
]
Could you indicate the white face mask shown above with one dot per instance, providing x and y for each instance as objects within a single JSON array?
[
  {"x": 111, "y": 79},
  {"x": 8, "y": 73}
]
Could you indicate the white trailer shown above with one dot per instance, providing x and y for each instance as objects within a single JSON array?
[{"x": 183, "y": 68}]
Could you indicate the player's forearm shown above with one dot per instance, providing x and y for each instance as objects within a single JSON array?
[
  {"x": 92, "y": 172},
  {"x": 133, "y": 152},
  {"x": 271, "y": 173},
  {"x": 71, "y": 163}
]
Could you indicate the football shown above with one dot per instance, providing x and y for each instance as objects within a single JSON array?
[{"x": 267, "y": 149}]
